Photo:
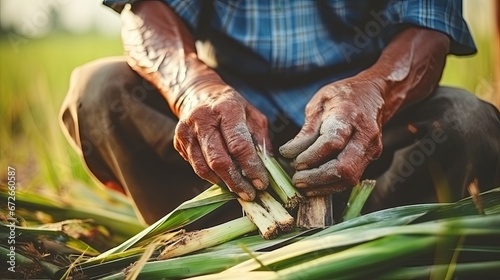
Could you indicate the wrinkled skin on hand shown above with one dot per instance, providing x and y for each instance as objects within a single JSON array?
[
  {"x": 216, "y": 133},
  {"x": 340, "y": 137},
  {"x": 342, "y": 132},
  {"x": 217, "y": 126}
]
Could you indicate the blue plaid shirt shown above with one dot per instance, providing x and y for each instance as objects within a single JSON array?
[{"x": 296, "y": 37}]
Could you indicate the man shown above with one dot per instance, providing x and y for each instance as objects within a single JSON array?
[{"x": 350, "y": 86}]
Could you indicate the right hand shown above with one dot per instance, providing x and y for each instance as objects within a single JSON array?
[{"x": 216, "y": 133}]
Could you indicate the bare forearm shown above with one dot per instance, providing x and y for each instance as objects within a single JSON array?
[
  {"x": 410, "y": 68},
  {"x": 216, "y": 125},
  {"x": 161, "y": 49}
]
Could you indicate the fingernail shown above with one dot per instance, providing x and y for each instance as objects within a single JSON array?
[
  {"x": 244, "y": 196},
  {"x": 301, "y": 166},
  {"x": 257, "y": 183},
  {"x": 300, "y": 185}
]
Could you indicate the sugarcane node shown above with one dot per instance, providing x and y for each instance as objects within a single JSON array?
[{"x": 294, "y": 202}]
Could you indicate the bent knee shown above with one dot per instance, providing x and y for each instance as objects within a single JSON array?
[
  {"x": 106, "y": 87},
  {"x": 97, "y": 90},
  {"x": 101, "y": 81},
  {"x": 464, "y": 113}
]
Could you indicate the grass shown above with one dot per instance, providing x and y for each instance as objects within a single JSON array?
[
  {"x": 473, "y": 73},
  {"x": 34, "y": 78}
]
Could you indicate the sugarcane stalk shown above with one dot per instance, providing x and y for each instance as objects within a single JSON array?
[
  {"x": 284, "y": 220},
  {"x": 196, "y": 240},
  {"x": 268, "y": 228},
  {"x": 357, "y": 199},
  {"x": 279, "y": 181},
  {"x": 315, "y": 212}
]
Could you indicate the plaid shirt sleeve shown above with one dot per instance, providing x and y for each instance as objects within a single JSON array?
[
  {"x": 441, "y": 15},
  {"x": 242, "y": 24},
  {"x": 293, "y": 37}
]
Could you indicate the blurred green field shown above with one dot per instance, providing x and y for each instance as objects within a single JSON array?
[{"x": 34, "y": 77}]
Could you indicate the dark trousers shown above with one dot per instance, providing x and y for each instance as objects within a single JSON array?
[{"x": 124, "y": 131}]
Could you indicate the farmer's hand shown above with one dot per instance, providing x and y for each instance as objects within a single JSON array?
[
  {"x": 340, "y": 137},
  {"x": 216, "y": 133},
  {"x": 342, "y": 132}
]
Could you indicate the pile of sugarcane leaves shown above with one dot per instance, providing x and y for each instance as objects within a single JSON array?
[{"x": 426, "y": 241}]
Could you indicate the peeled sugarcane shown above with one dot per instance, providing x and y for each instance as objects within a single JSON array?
[
  {"x": 280, "y": 181},
  {"x": 188, "y": 242},
  {"x": 265, "y": 214},
  {"x": 268, "y": 215},
  {"x": 284, "y": 220},
  {"x": 268, "y": 227},
  {"x": 315, "y": 212}
]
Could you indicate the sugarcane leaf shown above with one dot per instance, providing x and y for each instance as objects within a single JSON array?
[
  {"x": 217, "y": 197},
  {"x": 121, "y": 224},
  {"x": 465, "y": 207},
  {"x": 184, "y": 214},
  {"x": 20, "y": 258},
  {"x": 251, "y": 275},
  {"x": 192, "y": 210},
  {"x": 359, "y": 261},
  {"x": 393, "y": 216},
  {"x": 376, "y": 254},
  {"x": 189, "y": 266},
  {"x": 257, "y": 243},
  {"x": 96, "y": 269},
  {"x": 477, "y": 270},
  {"x": 482, "y": 225},
  {"x": 52, "y": 238},
  {"x": 338, "y": 265},
  {"x": 25, "y": 266},
  {"x": 419, "y": 213}
]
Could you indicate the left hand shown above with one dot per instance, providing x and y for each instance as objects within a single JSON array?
[{"x": 341, "y": 136}]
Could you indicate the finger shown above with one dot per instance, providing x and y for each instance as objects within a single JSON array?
[
  {"x": 199, "y": 164},
  {"x": 188, "y": 147},
  {"x": 181, "y": 137},
  {"x": 306, "y": 136},
  {"x": 242, "y": 150},
  {"x": 334, "y": 135},
  {"x": 325, "y": 174},
  {"x": 356, "y": 156},
  {"x": 218, "y": 159},
  {"x": 363, "y": 147},
  {"x": 258, "y": 127},
  {"x": 340, "y": 186}
]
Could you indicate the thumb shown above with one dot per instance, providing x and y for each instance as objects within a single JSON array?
[{"x": 306, "y": 136}]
